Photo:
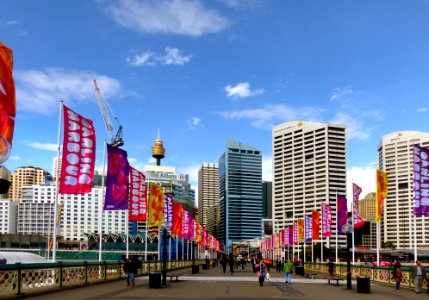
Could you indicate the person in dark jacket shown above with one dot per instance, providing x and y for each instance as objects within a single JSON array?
[{"x": 131, "y": 270}]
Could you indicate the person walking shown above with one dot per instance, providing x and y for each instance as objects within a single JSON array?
[
  {"x": 231, "y": 263},
  {"x": 398, "y": 274},
  {"x": 288, "y": 269},
  {"x": 130, "y": 270},
  {"x": 262, "y": 272},
  {"x": 419, "y": 274},
  {"x": 224, "y": 262}
]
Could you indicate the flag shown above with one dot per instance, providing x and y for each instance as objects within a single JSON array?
[
  {"x": 168, "y": 211},
  {"x": 308, "y": 229},
  {"x": 421, "y": 180},
  {"x": 315, "y": 225},
  {"x": 177, "y": 218},
  {"x": 156, "y": 206},
  {"x": 138, "y": 196},
  {"x": 295, "y": 233},
  {"x": 342, "y": 214},
  {"x": 290, "y": 229},
  {"x": 117, "y": 179},
  {"x": 7, "y": 102},
  {"x": 357, "y": 220},
  {"x": 301, "y": 233},
  {"x": 380, "y": 193},
  {"x": 78, "y": 159},
  {"x": 326, "y": 219}
]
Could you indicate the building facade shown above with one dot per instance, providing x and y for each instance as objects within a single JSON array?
[
  {"x": 8, "y": 214},
  {"x": 26, "y": 176},
  {"x": 240, "y": 193},
  {"x": 309, "y": 167},
  {"x": 366, "y": 209},
  {"x": 208, "y": 191},
  {"x": 396, "y": 159}
]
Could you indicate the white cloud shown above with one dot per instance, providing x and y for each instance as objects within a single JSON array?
[
  {"x": 242, "y": 90},
  {"x": 172, "y": 56},
  {"x": 422, "y": 109},
  {"x": 341, "y": 93},
  {"x": 43, "y": 146},
  {"x": 364, "y": 177},
  {"x": 143, "y": 59},
  {"x": 15, "y": 157},
  {"x": 40, "y": 91},
  {"x": 243, "y": 4},
  {"x": 182, "y": 17},
  {"x": 355, "y": 129},
  {"x": 273, "y": 114},
  {"x": 193, "y": 123},
  {"x": 267, "y": 168},
  {"x": 15, "y": 28}
]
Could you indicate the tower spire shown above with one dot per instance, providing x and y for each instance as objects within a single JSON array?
[{"x": 158, "y": 150}]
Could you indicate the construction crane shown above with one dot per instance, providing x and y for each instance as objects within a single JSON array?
[{"x": 115, "y": 140}]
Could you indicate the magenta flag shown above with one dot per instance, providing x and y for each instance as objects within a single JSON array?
[
  {"x": 78, "y": 159},
  {"x": 421, "y": 180},
  {"x": 117, "y": 181},
  {"x": 357, "y": 220},
  {"x": 308, "y": 228},
  {"x": 326, "y": 219},
  {"x": 341, "y": 213},
  {"x": 138, "y": 196}
]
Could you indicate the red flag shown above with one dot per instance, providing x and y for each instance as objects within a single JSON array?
[
  {"x": 7, "y": 102},
  {"x": 78, "y": 160},
  {"x": 176, "y": 228},
  {"x": 138, "y": 196},
  {"x": 315, "y": 220}
]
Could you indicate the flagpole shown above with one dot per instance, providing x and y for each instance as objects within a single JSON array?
[
  {"x": 336, "y": 231},
  {"x": 147, "y": 217},
  {"x": 100, "y": 206},
  {"x": 415, "y": 238},
  {"x": 127, "y": 230},
  {"x": 54, "y": 238},
  {"x": 321, "y": 236}
]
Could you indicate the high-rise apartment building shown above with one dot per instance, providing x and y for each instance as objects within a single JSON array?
[
  {"x": 309, "y": 167},
  {"x": 26, "y": 176},
  {"x": 56, "y": 166},
  {"x": 395, "y": 157},
  {"x": 8, "y": 212},
  {"x": 366, "y": 209},
  {"x": 208, "y": 191},
  {"x": 240, "y": 193}
]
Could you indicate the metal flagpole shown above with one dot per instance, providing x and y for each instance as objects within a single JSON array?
[
  {"x": 169, "y": 248},
  {"x": 177, "y": 247},
  {"x": 159, "y": 243},
  {"x": 378, "y": 243},
  {"x": 415, "y": 238},
  {"x": 100, "y": 206},
  {"x": 147, "y": 217},
  {"x": 336, "y": 223},
  {"x": 54, "y": 238},
  {"x": 127, "y": 230},
  {"x": 321, "y": 236}
]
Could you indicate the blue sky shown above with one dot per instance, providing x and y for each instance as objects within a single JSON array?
[{"x": 205, "y": 71}]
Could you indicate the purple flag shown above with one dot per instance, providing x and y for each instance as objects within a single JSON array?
[
  {"x": 342, "y": 214},
  {"x": 308, "y": 228},
  {"x": 421, "y": 180},
  {"x": 117, "y": 181}
]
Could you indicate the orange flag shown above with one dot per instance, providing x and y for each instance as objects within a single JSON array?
[
  {"x": 301, "y": 230},
  {"x": 380, "y": 193},
  {"x": 156, "y": 206},
  {"x": 7, "y": 102}
]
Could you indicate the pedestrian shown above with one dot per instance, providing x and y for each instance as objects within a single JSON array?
[
  {"x": 331, "y": 266},
  {"x": 231, "y": 263},
  {"x": 278, "y": 264},
  {"x": 262, "y": 272},
  {"x": 398, "y": 276},
  {"x": 419, "y": 273},
  {"x": 130, "y": 270},
  {"x": 288, "y": 269},
  {"x": 224, "y": 262},
  {"x": 253, "y": 262},
  {"x": 395, "y": 267}
]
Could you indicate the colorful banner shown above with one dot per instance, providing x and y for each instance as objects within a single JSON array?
[
  {"x": 7, "y": 102},
  {"x": 308, "y": 229},
  {"x": 295, "y": 233},
  {"x": 380, "y": 193},
  {"x": 138, "y": 196},
  {"x": 326, "y": 219},
  {"x": 357, "y": 220},
  {"x": 177, "y": 218},
  {"x": 315, "y": 225},
  {"x": 286, "y": 236},
  {"x": 342, "y": 214},
  {"x": 117, "y": 179},
  {"x": 78, "y": 160},
  {"x": 156, "y": 206},
  {"x": 168, "y": 211},
  {"x": 290, "y": 229},
  {"x": 421, "y": 180},
  {"x": 301, "y": 233}
]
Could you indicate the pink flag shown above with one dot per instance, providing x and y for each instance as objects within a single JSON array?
[
  {"x": 326, "y": 219},
  {"x": 357, "y": 220},
  {"x": 138, "y": 196},
  {"x": 78, "y": 160}
]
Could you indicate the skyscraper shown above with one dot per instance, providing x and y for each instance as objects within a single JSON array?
[
  {"x": 26, "y": 176},
  {"x": 396, "y": 159},
  {"x": 240, "y": 193},
  {"x": 309, "y": 167},
  {"x": 208, "y": 190}
]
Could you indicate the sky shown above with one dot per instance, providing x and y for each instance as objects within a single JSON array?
[{"x": 205, "y": 71}]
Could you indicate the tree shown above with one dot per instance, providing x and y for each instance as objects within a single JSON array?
[{"x": 388, "y": 245}]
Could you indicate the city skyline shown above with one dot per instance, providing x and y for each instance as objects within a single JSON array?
[{"x": 204, "y": 71}]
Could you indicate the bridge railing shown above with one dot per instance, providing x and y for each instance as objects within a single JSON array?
[
  {"x": 16, "y": 279},
  {"x": 376, "y": 274}
]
